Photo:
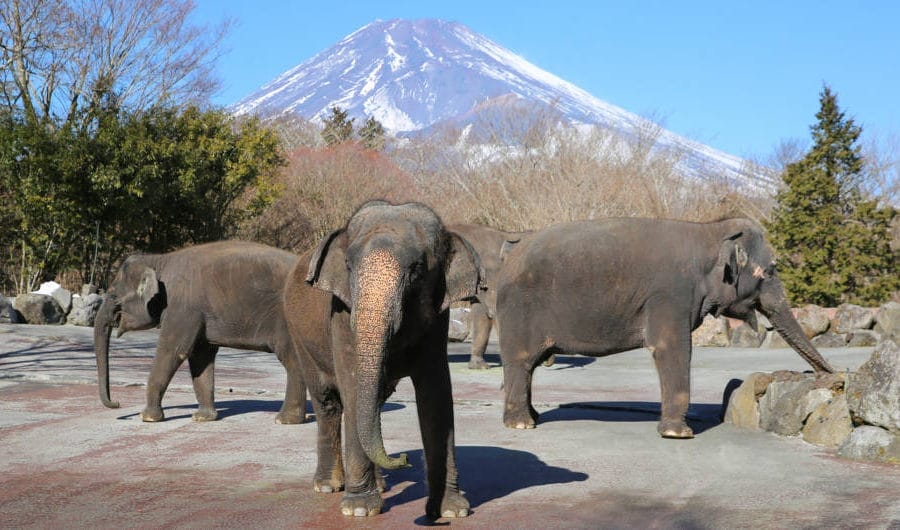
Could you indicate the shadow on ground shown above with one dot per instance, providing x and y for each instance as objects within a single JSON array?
[
  {"x": 700, "y": 416},
  {"x": 234, "y": 407},
  {"x": 561, "y": 362}
]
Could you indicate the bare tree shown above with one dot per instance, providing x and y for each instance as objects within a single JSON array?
[{"x": 60, "y": 56}]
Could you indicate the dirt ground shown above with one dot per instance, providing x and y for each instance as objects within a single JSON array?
[{"x": 594, "y": 461}]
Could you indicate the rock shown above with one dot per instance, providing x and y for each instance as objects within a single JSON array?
[
  {"x": 850, "y": 317},
  {"x": 62, "y": 296},
  {"x": 862, "y": 337},
  {"x": 871, "y": 443},
  {"x": 712, "y": 332},
  {"x": 8, "y": 313},
  {"x": 829, "y": 340},
  {"x": 39, "y": 309},
  {"x": 873, "y": 391},
  {"x": 785, "y": 405},
  {"x": 813, "y": 319},
  {"x": 84, "y": 310},
  {"x": 743, "y": 408},
  {"x": 89, "y": 288},
  {"x": 459, "y": 324},
  {"x": 744, "y": 336},
  {"x": 774, "y": 340},
  {"x": 829, "y": 423},
  {"x": 887, "y": 321},
  {"x": 764, "y": 323}
]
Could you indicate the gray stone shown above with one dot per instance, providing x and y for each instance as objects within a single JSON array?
[
  {"x": 887, "y": 320},
  {"x": 775, "y": 340},
  {"x": 62, "y": 296},
  {"x": 873, "y": 391},
  {"x": 459, "y": 324},
  {"x": 84, "y": 310},
  {"x": 829, "y": 340},
  {"x": 871, "y": 443},
  {"x": 862, "y": 337},
  {"x": 764, "y": 324},
  {"x": 744, "y": 336},
  {"x": 850, "y": 317},
  {"x": 39, "y": 309},
  {"x": 813, "y": 319},
  {"x": 8, "y": 313},
  {"x": 88, "y": 288},
  {"x": 743, "y": 406},
  {"x": 712, "y": 332},
  {"x": 784, "y": 407},
  {"x": 829, "y": 423}
]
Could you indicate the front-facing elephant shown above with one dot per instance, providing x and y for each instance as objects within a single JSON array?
[
  {"x": 227, "y": 293},
  {"x": 601, "y": 287},
  {"x": 369, "y": 306}
]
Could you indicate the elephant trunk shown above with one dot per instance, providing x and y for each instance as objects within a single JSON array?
[
  {"x": 376, "y": 316},
  {"x": 774, "y": 305},
  {"x": 103, "y": 324}
]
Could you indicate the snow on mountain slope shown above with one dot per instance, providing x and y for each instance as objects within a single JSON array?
[{"x": 413, "y": 74}]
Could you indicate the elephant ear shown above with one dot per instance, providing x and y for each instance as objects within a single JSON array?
[
  {"x": 464, "y": 274},
  {"x": 328, "y": 267},
  {"x": 148, "y": 285},
  {"x": 732, "y": 259}
]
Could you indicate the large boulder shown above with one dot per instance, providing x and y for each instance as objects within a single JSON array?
[
  {"x": 743, "y": 408},
  {"x": 887, "y": 320},
  {"x": 873, "y": 391},
  {"x": 459, "y": 324},
  {"x": 829, "y": 423},
  {"x": 774, "y": 340},
  {"x": 62, "y": 296},
  {"x": 813, "y": 319},
  {"x": 829, "y": 340},
  {"x": 84, "y": 310},
  {"x": 863, "y": 337},
  {"x": 871, "y": 443},
  {"x": 786, "y": 404},
  {"x": 38, "y": 308},
  {"x": 850, "y": 317},
  {"x": 8, "y": 313},
  {"x": 744, "y": 336},
  {"x": 712, "y": 332}
]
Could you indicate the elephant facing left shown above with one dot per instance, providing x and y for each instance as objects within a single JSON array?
[{"x": 226, "y": 293}]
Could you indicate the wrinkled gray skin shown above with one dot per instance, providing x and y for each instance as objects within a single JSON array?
[
  {"x": 601, "y": 287},
  {"x": 227, "y": 293},
  {"x": 487, "y": 242},
  {"x": 368, "y": 306}
]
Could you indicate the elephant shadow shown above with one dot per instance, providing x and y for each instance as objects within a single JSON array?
[
  {"x": 700, "y": 416},
  {"x": 561, "y": 362},
  {"x": 486, "y": 473},
  {"x": 234, "y": 407}
]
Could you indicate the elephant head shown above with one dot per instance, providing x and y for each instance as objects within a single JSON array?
[
  {"x": 745, "y": 279},
  {"x": 397, "y": 270},
  {"x": 135, "y": 301}
]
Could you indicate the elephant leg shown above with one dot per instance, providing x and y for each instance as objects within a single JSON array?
[
  {"x": 518, "y": 367},
  {"x": 361, "y": 493},
  {"x": 667, "y": 335},
  {"x": 481, "y": 325},
  {"x": 293, "y": 409},
  {"x": 202, "y": 363},
  {"x": 175, "y": 345},
  {"x": 326, "y": 404},
  {"x": 434, "y": 404}
]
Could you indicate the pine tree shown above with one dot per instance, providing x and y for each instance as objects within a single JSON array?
[
  {"x": 372, "y": 134},
  {"x": 338, "y": 128},
  {"x": 833, "y": 243}
]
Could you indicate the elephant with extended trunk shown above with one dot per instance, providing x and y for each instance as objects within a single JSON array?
[
  {"x": 218, "y": 294},
  {"x": 369, "y": 306},
  {"x": 487, "y": 242},
  {"x": 601, "y": 287}
]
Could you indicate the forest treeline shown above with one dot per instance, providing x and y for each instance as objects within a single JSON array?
[{"x": 98, "y": 160}]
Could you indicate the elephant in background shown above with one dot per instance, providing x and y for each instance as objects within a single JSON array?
[
  {"x": 487, "y": 242},
  {"x": 227, "y": 293},
  {"x": 605, "y": 286},
  {"x": 369, "y": 306}
]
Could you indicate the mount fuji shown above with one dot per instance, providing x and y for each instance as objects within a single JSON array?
[{"x": 412, "y": 75}]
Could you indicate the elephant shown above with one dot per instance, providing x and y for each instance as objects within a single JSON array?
[
  {"x": 368, "y": 306},
  {"x": 487, "y": 242},
  {"x": 227, "y": 293},
  {"x": 600, "y": 287}
]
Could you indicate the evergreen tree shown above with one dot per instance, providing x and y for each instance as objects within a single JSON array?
[
  {"x": 338, "y": 128},
  {"x": 372, "y": 134},
  {"x": 833, "y": 243}
]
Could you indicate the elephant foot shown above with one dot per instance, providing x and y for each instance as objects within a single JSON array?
[
  {"x": 675, "y": 429},
  {"x": 519, "y": 421},
  {"x": 205, "y": 415},
  {"x": 362, "y": 504},
  {"x": 550, "y": 360},
  {"x": 152, "y": 415},
  {"x": 478, "y": 363},
  {"x": 289, "y": 418},
  {"x": 328, "y": 486},
  {"x": 454, "y": 504}
]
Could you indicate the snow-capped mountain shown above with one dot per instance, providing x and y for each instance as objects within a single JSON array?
[{"x": 411, "y": 75}]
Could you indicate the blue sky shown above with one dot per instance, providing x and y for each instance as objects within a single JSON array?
[{"x": 739, "y": 76}]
